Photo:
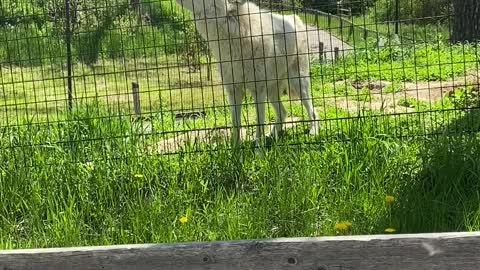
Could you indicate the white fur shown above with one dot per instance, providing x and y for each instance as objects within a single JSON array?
[{"x": 257, "y": 50}]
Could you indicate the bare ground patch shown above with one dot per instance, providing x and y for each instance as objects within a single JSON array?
[
  {"x": 387, "y": 102},
  {"x": 208, "y": 136}
]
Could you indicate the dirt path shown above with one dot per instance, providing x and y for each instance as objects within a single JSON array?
[
  {"x": 428, "y": 92},
  {"x": 315, "y": 36},
  {"x": 209, "y": 136}
]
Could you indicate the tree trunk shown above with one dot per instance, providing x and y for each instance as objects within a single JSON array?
[{"x": 466, "y": 26}]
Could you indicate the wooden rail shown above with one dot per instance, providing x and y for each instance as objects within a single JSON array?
[{"x": 439, "y": 251}]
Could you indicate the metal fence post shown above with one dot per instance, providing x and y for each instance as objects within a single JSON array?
[
  {"x": 397, "y": 15},
  {"x": 321, "y": 49},
  {"x": 350, "y": 32},
  {"x": 209, "y": 67},
  {"x": 68, "y": 39},
  {"x": 136, "y": 98}
]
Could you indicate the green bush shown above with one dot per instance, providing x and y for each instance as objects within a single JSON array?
[
  {"x": 399, "y": 64},
  {"x": 99, "y": 30},
  {"x": 420, "y": 11},
  {"x": 29, "y": 44}
]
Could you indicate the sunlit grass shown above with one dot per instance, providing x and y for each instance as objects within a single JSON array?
[{"x": 90, "y": 181}]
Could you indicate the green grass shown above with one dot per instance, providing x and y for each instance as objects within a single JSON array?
[
  {"x": 352, "y": 36},
  {"x": 73, "y": 183},
  {"x": 397, "y": 63},
  {"x": 410, "y": 31},
  {"x": 393, "y": 88},
  {"x": 31, "y": 36},
  {"x": 68, "y": 179},
  {"x": 167, "y": 85}
]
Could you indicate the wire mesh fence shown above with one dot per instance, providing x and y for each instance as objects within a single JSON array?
[
  {"x": 117, "y": 118},
  {"x": 147, "y": 59}
]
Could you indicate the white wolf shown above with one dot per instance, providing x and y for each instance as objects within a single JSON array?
[{"x": 257, "y": 50}]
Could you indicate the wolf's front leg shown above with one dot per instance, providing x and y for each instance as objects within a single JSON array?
[
  {"x": 235, "y": 97},
  {"x": 260, "y": 97}
]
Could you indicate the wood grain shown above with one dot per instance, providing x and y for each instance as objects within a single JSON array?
[{"x": 455, "y": 251}]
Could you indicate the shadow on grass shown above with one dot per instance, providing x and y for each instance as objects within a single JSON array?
[{"x": 444, "y": 194}]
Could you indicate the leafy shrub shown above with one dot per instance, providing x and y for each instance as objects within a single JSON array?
[
  {"x": 424, "y": 62},
  {"x": 468, "y": 97},
  {"x": 420, "y": 10},
  {"x": 29, "y": 44},
  {"x": 99, "y": 30}
]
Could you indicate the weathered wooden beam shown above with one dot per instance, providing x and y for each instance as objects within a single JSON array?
[{"x": 456, "y": 251}]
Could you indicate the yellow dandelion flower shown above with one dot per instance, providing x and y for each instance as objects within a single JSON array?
[
  {"x": 389, "y": 199},
  {"x": 183, "y": 220},
  {"x": 343, "y": 226},
  {"x": 390, "y": 230},
  {"x": 138, "y": 176},
  {"x": 89, "y": 166}
]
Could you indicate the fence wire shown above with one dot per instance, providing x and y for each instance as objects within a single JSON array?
[
  {"x": 85, "y": 74},
  {"x": 120, "y": 121}
]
